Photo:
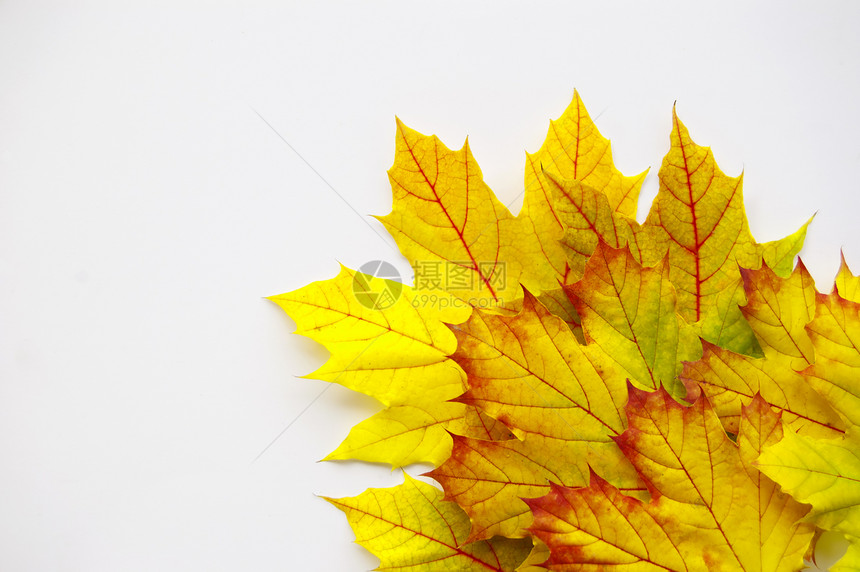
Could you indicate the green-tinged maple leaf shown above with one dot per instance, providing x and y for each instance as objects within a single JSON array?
[
  {"x": 563, "y": 401},
  {"x": 711, "y": 509},
  {"x": 698, "y": 218},
  {"x": 780, "y": 254},
  {"x": 825, "y": 474},
  {"x": 411, "y": 529},
  {"x": 398, "y": 355},
  {"x": 629, "y": 311},
  {"x": 778, "y": 311},
  {"x": 557, "y": 302}
]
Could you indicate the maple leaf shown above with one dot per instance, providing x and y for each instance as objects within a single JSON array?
[
  {"x": 563, "y": 401},
  {"x": 398, "y": 355},
  {"x": 711, "y": 508},
  {"x": 444, "y": 212},
  {"x": 629, "y": 311},
  {"x": 589, "y": 219},
  {"x": 847, "y": 285},
  {"x": 835, "y": 335},
  {"x": 698, "y": 219},
  {"x": 825, "y": 474},
  {"x": 411, "y": 529},
  {"x": 574, "y": 150},
  {"x": 778, "y": 311},
  {"x": 731, "y": 381}
]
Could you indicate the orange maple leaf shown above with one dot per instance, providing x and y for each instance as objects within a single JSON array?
[{"x": 711, "y": 508}]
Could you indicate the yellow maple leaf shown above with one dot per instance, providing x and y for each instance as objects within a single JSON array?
[
  {"x": 820, "y": 471},
  {"x": 574, "y": 150},
  {"x": 563, "y": 401},
  {"x": 847, "y": 285},
  {"x": 835, "y": 334},
  {"x": 444, "y": 213},
  {"x": 398, "y": 354},
  {"x": 589, "y": 219},
  {"x": 826, "y": 474},
  {"x": 778, "y": 311},
  {"x": 411, "y": 529},
  {"x": 712, "y": 510},
  {"x": 730, "y": 381},
  {"x": 698, "y": 218}
]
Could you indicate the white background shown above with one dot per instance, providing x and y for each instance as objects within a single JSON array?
[{"x": 146, "y": 210}]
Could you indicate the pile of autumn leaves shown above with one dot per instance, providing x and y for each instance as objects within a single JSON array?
[{"x": 669, "y": 395}]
